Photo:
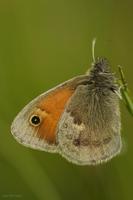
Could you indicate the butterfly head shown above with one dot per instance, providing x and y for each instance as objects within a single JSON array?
[{"x": 100, "y": 74}]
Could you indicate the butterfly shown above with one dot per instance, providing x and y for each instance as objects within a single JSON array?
[{"x": 79, "y": 119}]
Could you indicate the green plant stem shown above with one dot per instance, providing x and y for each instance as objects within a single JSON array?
[{"x": 126, "y": 97}]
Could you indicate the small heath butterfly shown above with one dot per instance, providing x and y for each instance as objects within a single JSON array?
[{"x": 79, "y": 119}]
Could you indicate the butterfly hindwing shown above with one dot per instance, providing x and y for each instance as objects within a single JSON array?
[{"x": 89, "y": 129}]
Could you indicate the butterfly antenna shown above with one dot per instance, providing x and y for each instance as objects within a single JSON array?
[
  {"x": 93, "y": 53},
  {"x": 93, "y": 49}
]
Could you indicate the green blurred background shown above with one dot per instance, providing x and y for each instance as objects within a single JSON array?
[{"x": 43, "y": 43}]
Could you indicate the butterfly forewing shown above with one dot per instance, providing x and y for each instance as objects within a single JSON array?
[{"x": 47, "y": 110}]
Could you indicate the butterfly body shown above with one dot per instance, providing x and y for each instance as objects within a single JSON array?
[{"x": 79, "y": 119}]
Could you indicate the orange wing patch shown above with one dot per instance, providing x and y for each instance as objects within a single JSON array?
[{"x": 50, "y": 109}]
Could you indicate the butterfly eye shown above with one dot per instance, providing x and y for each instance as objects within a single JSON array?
[{"x": 35, "y": 120}]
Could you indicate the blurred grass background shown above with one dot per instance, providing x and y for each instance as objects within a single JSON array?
[{"x": 43, "y": 43}]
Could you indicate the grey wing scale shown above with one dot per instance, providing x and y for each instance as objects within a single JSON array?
[{"x": 89, "y": 129}]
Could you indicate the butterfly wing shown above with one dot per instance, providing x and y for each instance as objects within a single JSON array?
[
  {"x": 47, "y": 108},
  {"x": 89, "y": 129}
]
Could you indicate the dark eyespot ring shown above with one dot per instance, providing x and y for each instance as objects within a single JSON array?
[{"x": 35, "y": 120}]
